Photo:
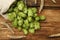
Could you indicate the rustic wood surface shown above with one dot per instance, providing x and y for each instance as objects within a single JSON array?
[
  {"x": 48, "y": 3},
  {"x": 50, "y": 26}
]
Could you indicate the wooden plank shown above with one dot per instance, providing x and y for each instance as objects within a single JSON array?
[
  {"x": 48, "y": 3},
  {"x": 50, "y": 26}
]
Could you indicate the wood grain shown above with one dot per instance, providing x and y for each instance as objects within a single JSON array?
[
  {"x": 48, "y": 3},
  {"x": 50, "y": 26}
]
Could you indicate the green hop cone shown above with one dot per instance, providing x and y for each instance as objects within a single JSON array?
[
  {"x": 21, "y": 14},
  {"x": 11, "y": 16},
  {"x": 14, "y": 14},
  {"x": 35, "y": 14},
  {"x": 19, "y": 28},
  {"x": 37, "y": 25},
  {"x": 25, "y": 27},
  {"x": 34, "y": 10},
  {"x": 14, "y": 23},
  {"x": 29, "y": 19},
  {"x": 25, "y": 10},
  {"x": 32, "y": 30},
  {"x": 37, "y": 18},
  {"x": 20, "y": 5},
  {"x": 25, "y": 31},
  {"x": 30, "y": 12},
  {"x": 16, "y": 10},
  {"x": 32, "y": 25},
  {"x": 19, "y": 18},
  {"x": 42, "y": 18},
  {"x": 20, "y": 22},
  {"x": 26, "y": 22}
]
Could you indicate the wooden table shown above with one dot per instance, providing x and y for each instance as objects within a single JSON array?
[{"x": 50, "y": 26}]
